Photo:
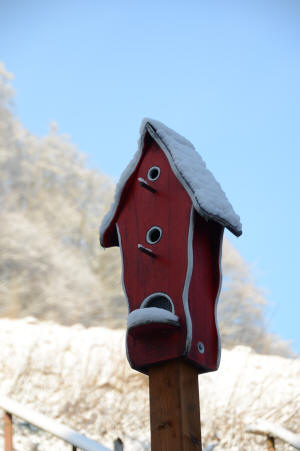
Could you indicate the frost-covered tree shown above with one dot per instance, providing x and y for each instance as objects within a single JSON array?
[
  {"x": 241, "y": 310},
  {"x": 51, "y": 263}
]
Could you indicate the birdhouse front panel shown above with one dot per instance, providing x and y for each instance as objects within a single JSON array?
[{"x": 153, "y": 231}]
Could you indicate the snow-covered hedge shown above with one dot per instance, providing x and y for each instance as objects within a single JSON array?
[{"x": 80, "y": 376}]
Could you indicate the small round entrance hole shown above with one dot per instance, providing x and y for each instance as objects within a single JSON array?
[
  {"x": 153, "y": 173},
  {"x": 153, "y": 235},
  {"x": 201, "y": 347},
  {"x": 159, "y": 300}
]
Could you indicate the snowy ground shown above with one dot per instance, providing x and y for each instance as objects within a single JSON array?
[{"x": 81, "y": 377}]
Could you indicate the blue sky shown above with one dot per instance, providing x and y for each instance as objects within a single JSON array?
[{"x": 224, "y": 74}]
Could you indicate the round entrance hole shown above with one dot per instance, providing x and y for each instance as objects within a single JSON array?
[
  {"x": 201, "y": 347},
  {"x": 153, "y": 173},
  {"x": 158, "y": 300},
  {"x": 153, "y": 235}
]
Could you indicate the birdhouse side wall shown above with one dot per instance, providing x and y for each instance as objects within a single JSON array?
[{"x": 203, "y": 295}]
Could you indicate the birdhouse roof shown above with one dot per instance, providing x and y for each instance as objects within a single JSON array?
[{"x": 206, "y": 194}]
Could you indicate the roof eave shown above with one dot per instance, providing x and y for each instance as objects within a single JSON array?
[
  {"x": 107, "y": 237},
  {"x": 237, "y": 232}
]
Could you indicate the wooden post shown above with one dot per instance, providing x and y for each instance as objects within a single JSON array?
[
  {"x": 118, "y": 445},
  {"x": 174, "y": 407},
  {"x": 270, "y": 443},
  {"x": 8, "y": 432}
]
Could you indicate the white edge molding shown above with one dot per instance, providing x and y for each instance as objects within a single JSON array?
[
  {"x": 186, "y": 288},
  {"x": 123, "y": 286},
  {"x": 218, "y": 298}
]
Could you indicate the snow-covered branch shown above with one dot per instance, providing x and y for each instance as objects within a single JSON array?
[
  {"x": 275, "y": 431},
  {"x": 47, "y": 424}
]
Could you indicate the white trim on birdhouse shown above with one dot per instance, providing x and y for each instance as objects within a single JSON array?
[
  {"x": 186, "y": 288},
  {"x": 156, "y": 171},
  {"x": 122, "y": 262},
  {"x": 218, "y": 298},
  {"x": 206, "y": 194}
]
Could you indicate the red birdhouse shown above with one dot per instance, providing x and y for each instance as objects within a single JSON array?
[{"x": 168, "y": 218}]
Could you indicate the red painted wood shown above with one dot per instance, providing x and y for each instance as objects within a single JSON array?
[
  {"x": 169, "y": 208},
  {"x": 203, "y": 292},
  {"x": 147, "y": 331}
]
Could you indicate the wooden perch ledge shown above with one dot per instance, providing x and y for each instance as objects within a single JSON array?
[{"x": 275, "y": 431}]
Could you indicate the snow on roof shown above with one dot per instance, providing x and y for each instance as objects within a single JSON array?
[{"x": 208, "y": 198}]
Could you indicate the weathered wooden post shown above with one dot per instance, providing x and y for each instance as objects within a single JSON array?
[
  {"x": 8, "y": 431},
  {"x": 118, "y": 445},
  {"x": 168, "y": 218},
  {"x": 174, "y": 406},
  {"x": 270, "y": 443}
]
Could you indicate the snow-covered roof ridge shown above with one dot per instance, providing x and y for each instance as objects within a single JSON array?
[{"x": 207, "y": 196}]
